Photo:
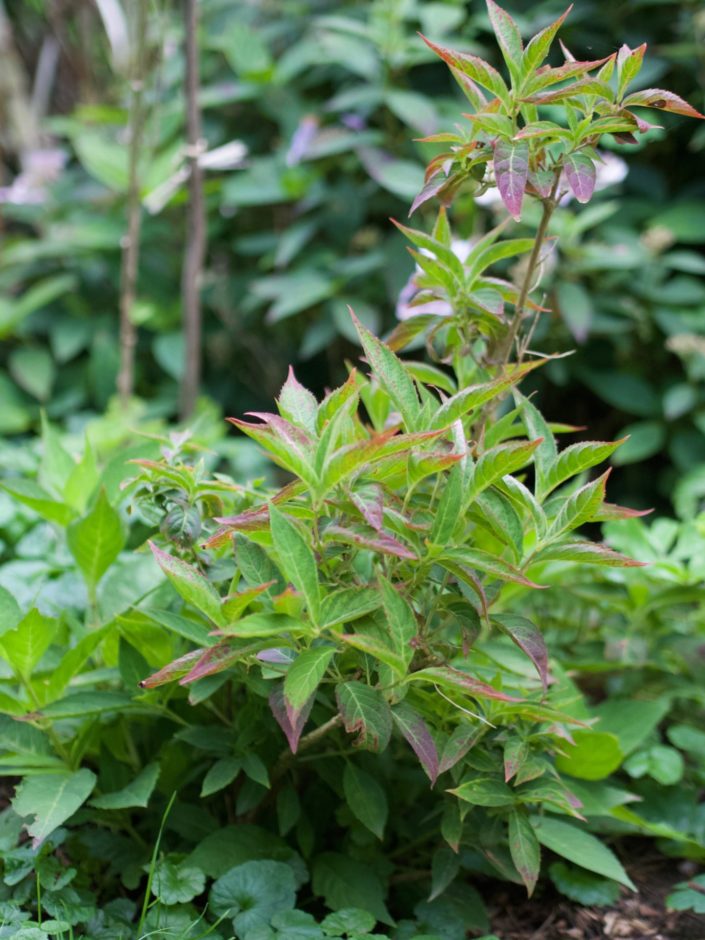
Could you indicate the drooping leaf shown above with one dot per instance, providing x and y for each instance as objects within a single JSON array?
[
  {"x": 448, "y": 677},
  {"x": 366, "y": 799},
  {"x": 290, "y": 721},
  {"x": 511, "y": 168},
  {"x": 581, "y": 175},
  {"x": 135, "y": 794},
  {"x": 524, "y": 848},
  {"x": 580, "y": 847},
  {"x": 416, "y": 732},
  {"x": 52, "y": 799},
  {"x": 529, "y": 639},
  {"x": 366, "y": 713},
  {"x": 343, "y": 882},
  {"x": 663, "y": 100}
]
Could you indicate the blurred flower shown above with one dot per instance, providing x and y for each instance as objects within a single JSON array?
[
  {"x": 39, "y": 168},
  {"x": 301, "y": 139}
]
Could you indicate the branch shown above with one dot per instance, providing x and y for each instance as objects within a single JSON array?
[{"x": 195, "y": 247}]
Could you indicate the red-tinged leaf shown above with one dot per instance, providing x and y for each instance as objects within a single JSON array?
[
  {"x": 376, "y": 648},
  {"x": 524, "y": 848},
  {"x": 663, "y": 100},
  {"x": 408, "y": 330},
  {"x": 475, "y": 68},
  {"x": 283, "y": 454},
  {"x": 288, "y": 432},
  {"x": 462, "y": 573},
  {"x": 370, "y": 504},
  {"x": 609, "y": 511},
  {"x": 511, "y": 170},
  {"x": 175, "y": 670},
  {"x": 380, "y": 542},
  {"x": 537, "y": 48},
  {"x": 629, "y": 62},
  {"x": 252, "y": 520},
  {"x": 433, "y": 188},
  {"x": 516, "y": 752},
  {"x": 298, "y": 404},
  {"x": 542, "y": 181},
  {"x": 193, "y": 587},
  {"x": 507, "y": 33},
  {"x": 217, "y": 659},
  {"x": 234, "y": 604},
  {"x": 626, "y": 138},
  {"x": 291, "y": 723},
  {"x": 587, "y": 553},
  {"x": 470, "y": 89},
  {"x": 546, "y": 76},
  {"x": 642, "y": 125},
  {"x": 457, "y": 746},
  {"x": 581, "y": 176},
  {"x": 529, "y": 639},
  {"x": 415, "y": 730},
  {"x": 488, "y": 564},
  {"x": 366, "y": 713},
  {"x": 456, "y": 679},
  {"x": 584, "y": 86}
]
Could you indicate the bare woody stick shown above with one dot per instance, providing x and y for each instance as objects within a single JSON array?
[{"x": 195, "y": 245}]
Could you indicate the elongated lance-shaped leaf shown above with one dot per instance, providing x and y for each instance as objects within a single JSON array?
[
  {"x": 488, "y": 564},
  {"x": 391, "y": 374},
  {"x": 474, "y": 68},
  {"x": 537, "y": 427},
  {"x": 296, "y": 559},
  {"x": 217, "y": 659},
  {"x": 537, "y": 48},
  {"x": 174, "y": 670},
  {"x": 474, "y": 396},
  {"x": 629, "y": 62},
  {"x": 416, "y": 732},
  {"x": 511, "y": 170},
  {"x": 581, "y": 175},
  {"x": 348, "y": 604},
  {"x": 580, "y": 507},
  {"x": 278, "y": 450},
  {"x": 297, "y": 404},
  {"x": 401, "y": 621},
  {"x": 581, "y": 847},
  {"x": 463, "y": 738},
  {"x": 661, "y": 100},
  {"x": 305, "y": 674},
  {"x": 377, "y": 648},
  {"x": 497, "y": 463},
  {"x": 587, "y": 553},
  {"x": 529, "y": 639},
  {"x": 455, "y": 679},
  {"x": 191, "y": 585},
  {"x": 481, "y": 260},
  {"x": 573, "y": 460},
  {"x": 366, "y": 799},
  {"x": 524, "y": 848},
  {"x": 96, "y": 540},
  {"x": 508, "y": 37},
  {"x": 380, "y": 542},
  {"x": 551, "y": 76},
  {"x": 448, "y": 512},
  {"x": 291, "y": 722},
  {"x": 366, "y": 713}
]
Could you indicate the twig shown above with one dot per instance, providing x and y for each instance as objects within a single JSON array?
[
  {"x": 195, "y": 221},
  {"x": 131, "y": 240}
]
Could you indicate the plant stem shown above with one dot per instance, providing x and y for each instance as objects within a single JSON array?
[
  {"x": 195, "y": 221},
  {"x": 131, "y": 239}
]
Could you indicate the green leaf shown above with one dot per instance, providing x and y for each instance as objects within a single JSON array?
[
  {"x": 25, "y": 644},
  {"x": 296, "y": 559},
  {"x": 586, "y": 553},
  {"x": 660, "y": 762},
  {"x": 474, "y": 396},
  {"x": 297, "y": 404},
  {"x": 263, "y": 624},
  {"x": 177, "y": 884},
  {"x": 529, "y": 639},
  {"x": 10, "y": 613},
  {"x": 222, "y": 773},
  {"x": 580, "y": 847},
  {"x": 348, "y": 604},
  {"x": 349, "y": 920},
  {"x": 96, "y": 540},
  {"x": 537, "y": 48},
  {"x": 134, "y": 794},
  {"x": 191, "y": 585},
  {"x": 86, "y": 704},
  {"x": 366, "y": 713},
  {"x": 536, "y": 426},
  {"x": 524, "y": 848},
  {"x": 32, "y": 495},
  {"x": 508, "y": 36},
  {"x": 52, "y": 799},
  {"x": 449, "y": 511},
  {"x": 305, "y": 674},
  {"x": 391, "y": 374},
  {"x": 631, "y": 720},
  {"x": 485, "y": 791},
  {"x": 688, "y": 896},
  {"x": 574, "y": 460},
  {"x": 34, "y": 371},
  {"x": 583, "y": 887},
  {"x": 343, "y": 882},
  {"x": 57, "y": 465},
  {"x": 366, "y": 799},
  {"x": 595, "y": 755},
  {"x": 579, "y": 508},
  {"x": 401, "y": 621},
  {"x": 252, "y": 893},
  {"x": 475, "y": 68},
  {"x": 497, "y": 463}
]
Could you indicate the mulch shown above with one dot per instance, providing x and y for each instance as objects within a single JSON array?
[{"x": 640, "y": 916}]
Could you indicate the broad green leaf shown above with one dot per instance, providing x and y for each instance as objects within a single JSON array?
[
  {"x": 251, "y": 893},
  {"x": 10, "y": 613},
  {"x": 583, "y": 887},
  {"x": 296, "y": 559},
  {"x": 485, "y": 791},
  {"x": 445, "y": 866},
  {"x": 222, "y": 773},
  {"x": 497, "y": 463},
  {"x": 83, "y": 479},
  {"x": 401, "y": 621},
  {"x": 632, "y": 720},
  {"x": 511, "y": 167},
  {"x": 579, "y": 507},
  {"x": 25, "y": 644},
  {"x": 135, "y": 794},
  {"x": 366, "y": 713},
  {"x": 479, "y": 261},
  {"x": 72, "y": 662},
  {"x": 52, "y": 799},
  {"x": 176, "y": 884},
  {"x": 32, "y": 495},
  {"x": 594, "y": 756},
  {"x": 574, "y": 460},
  {"x": 391, "y": 374},
  {"x": 96, "y": 540},
  {"x": 524, "y": 848},
  {"x": 580, "y": 847},
  {"x": 348, "y": 604},
  {"x": 350, "y": 921},
  {"x": 57, "y": 464},
  {"x": 297, "y": 404},
  {"x": 191, "y": 585},
  {"x": 366, "y": 799},
  {"x": 305, "y": 674},
  {"x": 537, "y": 48},
  {"x": 343, "y": 882}
]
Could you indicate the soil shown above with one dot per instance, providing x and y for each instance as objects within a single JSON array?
[{"x": 641, "y": 916}]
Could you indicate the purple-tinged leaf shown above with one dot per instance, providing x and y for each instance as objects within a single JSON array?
[
  {"x": 507, "y": 33},
  {"x": 217, "y": 659},
  {"x": 291, "y": 722},
  {"x": 584, "y": 86},
  {"x": 252, "y": 520},
  {"x": 235, "y": 604},
  {"x": 537, "y": 48},
  {"x": 289, "y": 433},
  {"x": 380, "y": 542},
  {"x": 464, "y": 574},
  {"x": 475, "y": 68},
  {"x": 370, "y": 504},
  {"x": 174, "y": 670},
  {"x": 547, "y": 76},
  {"x": 663, "y": 100},
  {"x": 609, "y": 511},
  {"x": 581, "y": 176},
  {"x": 488, "y": 564},
  {"x": 415, "y": 730},
  {"x": 642, "y": 125},
  {"x": 529, "y": 639},
  {"x": 587, "y": 553},
  {"x": 457, "y": 746},
  {"x": 516, "y": 752},
  {"x": 193, "y": 587},
  {"x": 298, "y": 404},
  {"x": 524, "y": 848},
  {"x": 458, "y": 680},
  {"x": 511, "y": 170},
  {"x": 276, "y": 655},
  {"x": 366, "y": 713}
]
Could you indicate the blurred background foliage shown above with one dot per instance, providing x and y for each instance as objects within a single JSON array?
[{"x": 312, "y": 110}]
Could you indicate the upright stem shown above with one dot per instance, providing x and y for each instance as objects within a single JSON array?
[
  {"x": 131, "y": 239},
  {"x": 195, "y": 221}
]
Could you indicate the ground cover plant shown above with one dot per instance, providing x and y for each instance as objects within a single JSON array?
[{"x": 328, "y": 707}]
